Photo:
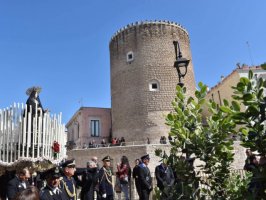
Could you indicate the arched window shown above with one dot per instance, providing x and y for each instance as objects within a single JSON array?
[
  {"x": 154, "y": 85},
  {"x": 130, "y": 56}
]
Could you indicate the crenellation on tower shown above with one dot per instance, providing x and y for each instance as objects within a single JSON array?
[{"x": 155, "y": 22}]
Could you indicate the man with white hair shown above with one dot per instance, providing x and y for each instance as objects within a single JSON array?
[
  {"x": 96, "y": 187},
  {"x": 91, "y": 164},
  {"x": 89, "y": 182}
]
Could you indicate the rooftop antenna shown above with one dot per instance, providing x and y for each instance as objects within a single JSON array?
[
  {"x": 250, "y": 53},
  {"x": 81, "y": 102}
]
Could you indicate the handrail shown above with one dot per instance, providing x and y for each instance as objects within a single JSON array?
[{"x": 134, "y": 143}]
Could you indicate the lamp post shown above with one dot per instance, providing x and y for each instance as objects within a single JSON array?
[{"x": 180, "y": 63}]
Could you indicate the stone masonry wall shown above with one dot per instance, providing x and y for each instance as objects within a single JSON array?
[
  {"x": 82, "y": 156},
  {"x": 137, "y": 112}
]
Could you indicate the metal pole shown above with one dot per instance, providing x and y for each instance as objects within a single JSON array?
[
  {"x": 176, "y": 43},
  {"x": 130, "y": 189},
  {"x": 250, "y": 54}
]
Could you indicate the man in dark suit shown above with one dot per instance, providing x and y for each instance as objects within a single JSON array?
[
  {"x": 96, "y": 188},
  {"x": 164, "y": 176},
  {"x": 51, "y": 191},
  {"x": 145, "y": 180},
  {"x": 105, "y": 177},
  {"x": 18, "y": 183},
  {"x": 89, "y": 180}
]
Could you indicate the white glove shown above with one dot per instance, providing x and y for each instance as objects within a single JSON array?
[{"x": 104, "y": 196}]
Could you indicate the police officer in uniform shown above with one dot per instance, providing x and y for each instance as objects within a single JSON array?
[
  {"x": 145, "y": 180},
  {"x": 105, "y": 177},
  {"x": 51, "y": 191},
  {"x": 67, "y": 182}
]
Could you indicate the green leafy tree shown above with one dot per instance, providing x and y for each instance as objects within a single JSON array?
[
  {"x": 253, "y": 136},
  {"x": 207, "y": 144}
]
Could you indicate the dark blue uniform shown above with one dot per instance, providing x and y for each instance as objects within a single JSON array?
[
  {"x": 53, "y": 194},
  {"x": 69, "y": 186},
  {"x": 47, "y": 194},
  {"x": 106, "y": 187},
  {"x": 145, "y": 180}
]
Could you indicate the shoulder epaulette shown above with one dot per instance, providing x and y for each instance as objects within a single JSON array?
[
  {"x": 61, "y": 178},
  {"x": 42, "y": 192}
]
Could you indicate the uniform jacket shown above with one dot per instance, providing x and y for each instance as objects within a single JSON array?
[
  {"x": 105, "y": 177},
  {"x": 145, "y": 180},
  {"x": 71, "y": 187},
  {"x": 47, "y": 194},
  {"x": 14, "y": 186},
  {"x": 164, "y": 175}
]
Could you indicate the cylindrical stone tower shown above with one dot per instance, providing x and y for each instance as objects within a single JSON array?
[{"x": 143, "y": 78}]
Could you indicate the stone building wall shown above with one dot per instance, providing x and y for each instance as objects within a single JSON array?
[
  {"x": 137, "y": 112},
  {"x": 82, "y": 156}
]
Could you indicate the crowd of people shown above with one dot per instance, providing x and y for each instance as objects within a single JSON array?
[
  {"x": 115, "y": 142},
  {"x": 62, "y": 182},
  {"x": 163, "y": 139},
  {"x": 120, "y": 142}
]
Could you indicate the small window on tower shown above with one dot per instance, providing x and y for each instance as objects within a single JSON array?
[
  {"x": 154, "y": 85},
  {"x": 130, "y": 56}
]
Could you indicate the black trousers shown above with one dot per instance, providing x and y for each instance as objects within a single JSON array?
[
  {"x": 144, "y": 195},
  {"x": 137, "y": 187}
]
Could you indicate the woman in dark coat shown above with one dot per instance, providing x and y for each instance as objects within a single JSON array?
[
  {"x": 136, "y": 176},
  {"x": 89, "y": 182}
]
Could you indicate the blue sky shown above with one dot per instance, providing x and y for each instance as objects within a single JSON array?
[{"x": 63, "y": 46}]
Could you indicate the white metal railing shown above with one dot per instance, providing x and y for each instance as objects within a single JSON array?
[
  {"x": 25, "y": 139},
  {"x": 134, "y": 143}
]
